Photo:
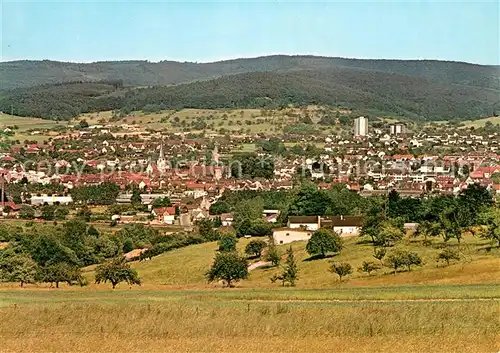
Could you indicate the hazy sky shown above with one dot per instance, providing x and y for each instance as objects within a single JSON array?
[{"x": 87, "y": 31}]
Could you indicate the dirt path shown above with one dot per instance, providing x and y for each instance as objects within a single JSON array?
[{"x": 258, "y": 264}]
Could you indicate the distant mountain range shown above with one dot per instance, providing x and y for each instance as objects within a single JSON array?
[{"x": 412, "y": 88}]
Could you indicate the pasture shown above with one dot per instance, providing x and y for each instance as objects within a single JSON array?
[
  {"x": 268, "y": 121},
  {"x": 495, "y": 120},
  {"x": 24, "y": 125},
  {"x": 236, "y": 320},
  {"x": 429, "y": 309},
  {"x": 185, "y": 267}
]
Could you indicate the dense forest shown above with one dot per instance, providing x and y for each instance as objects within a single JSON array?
[
  {"x": 394, "y": 94},
  {"x": 26, "y": 73}
]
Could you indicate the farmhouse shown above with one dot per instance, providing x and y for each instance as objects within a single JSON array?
[
  {"x": 344, "y": 225},
  {"x": 304, "y": 222},
  {"x": 287, "y": 235},
  {"x": 226, "y": 219},
  {"x": 165, "y": 215}
]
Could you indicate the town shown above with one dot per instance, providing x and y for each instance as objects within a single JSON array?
[{"x": 249, "y": 176}]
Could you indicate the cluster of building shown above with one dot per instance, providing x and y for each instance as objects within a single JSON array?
[{"x": 374, "y": 160}]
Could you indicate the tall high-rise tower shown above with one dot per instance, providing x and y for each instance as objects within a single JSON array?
[{"x": 361, "y": 126}]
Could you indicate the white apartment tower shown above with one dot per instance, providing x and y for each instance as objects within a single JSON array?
[
  {"x": 361, "y": 126},
  {"x": 397, "y": 129}
]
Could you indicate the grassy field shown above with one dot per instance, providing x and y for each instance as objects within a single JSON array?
[
  {"x": 481, "y": 122},
  {"x": 231, "y": 120},
  {"x": 477, "y": 266},
  {"x": 234, "y": 320},
  {"x": 430, "y": 309},
  {"x": 25, "y": 124}
]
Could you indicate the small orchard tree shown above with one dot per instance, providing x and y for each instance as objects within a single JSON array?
[
  {"x": 26, "y": 212},
  {"x": 290, "y": 272},
  {"x": 402, "y": 258},
  {"x": 18, "y": 268},
  {"x": 410, "y": 259},
  {"x": 115, "y": 271},
  {"x": 368, "y": 267},
  {"x": 229, "y": 267},
  {"x": 323, "y": 241},
  {"x": 62, "y": 272},
  {"x": 379, "y": 254},
  {"x": 254, "y": 247},
  {"x": 491, "y": 220},
  {"x": 273, "y": 254},
  {"x": 447, "y": 255},
  {"x": 389, "y": 233},
  {"x": 394, "y": 261},
  {"x": 342, "y": 269},
  {"x": 227, "y": 242}
]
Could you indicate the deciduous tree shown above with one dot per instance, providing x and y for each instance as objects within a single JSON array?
[
  {"x": 273, "y": 254},
  {"x": 227, "y": 242},
  {"x": 229, "y": 267},
  {"x": 290, "y": 272},
  {"x": 368, "y": 267},
  {"x": 447, "y": 255},
  {"x": 323, "y": 241},
  {"x": 18, "y": 268},
  {"x": 115, "y": 271},
  {"x": 342, "y": 269},
  {"x": 254, "y": 247}
]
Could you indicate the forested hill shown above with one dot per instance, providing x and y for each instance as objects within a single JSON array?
[
  {"x": 359, "y": 89},
  {"x": 142, "y": 73}
]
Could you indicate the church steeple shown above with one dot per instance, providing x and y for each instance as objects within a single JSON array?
[
  {"x": 215, "y": 154},
  {"x": 162, "y": 162},
  {"x": 162, "y": 155}
]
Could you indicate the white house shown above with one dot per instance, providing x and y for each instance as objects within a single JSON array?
[
  {"x": 288, "y": 235},
  {"x": 226, "y": 219},
  {"x": 303, "y": 222},
  {"x": 165, "y": 215},
  {"x": 51, "y": 200},
  {"x": 343, "y": 225}
]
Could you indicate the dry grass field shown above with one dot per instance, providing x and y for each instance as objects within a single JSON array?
[
  {"x": 430, "y": 309},
  {"x": 231, "y": 120},
  {"x": 481, "y": 122},
  {"x": 232, "y": 320},
  {"x": 25, "y": 124}
]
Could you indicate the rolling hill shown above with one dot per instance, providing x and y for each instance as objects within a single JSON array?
[
  {"x": 17, "y": 74},
  {"x": 411, "y": 96}
]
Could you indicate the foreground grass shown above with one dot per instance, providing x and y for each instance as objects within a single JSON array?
[{"x": 232, "y": 320}]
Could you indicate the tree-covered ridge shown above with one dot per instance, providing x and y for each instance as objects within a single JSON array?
[
  {"x": 143, "y": 73},
  {"x": 393, "y": 94}
]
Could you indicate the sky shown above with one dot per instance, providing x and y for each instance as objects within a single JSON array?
[{"x": 86, "y": 31}]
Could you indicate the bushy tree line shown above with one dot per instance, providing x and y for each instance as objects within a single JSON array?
[{"x": 56, "y": 253}]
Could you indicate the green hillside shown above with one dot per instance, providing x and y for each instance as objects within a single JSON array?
[
  {"x": 393, "y": 94},
  {"x": 143, "y": 73},
  {"x": 186, "y": 267}
]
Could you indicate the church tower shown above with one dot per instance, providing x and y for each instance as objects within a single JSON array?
[
  {"x": 162, "y": 162},
  {"x": 215, "y": 155}
]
